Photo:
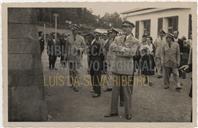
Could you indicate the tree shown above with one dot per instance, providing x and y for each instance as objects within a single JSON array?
[
  {"x": 77, "y": 16},
  {"x": 114, "y": 19}
]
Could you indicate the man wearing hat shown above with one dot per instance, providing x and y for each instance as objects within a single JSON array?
[
  {"x": 76, "y": 46},
  {"x": 171, "y": 61},
  {"x": 159, "y": 42},
  {"x": 124, "y": 48},
  {"x": 111, "y": 33},
  {"x": 96, "y": 58}
]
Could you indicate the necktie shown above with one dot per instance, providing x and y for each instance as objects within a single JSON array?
[
  {"x": 125, "y": 38},
  {"x": 74, "y": 37},
  {"x": 169, "y": 44}
]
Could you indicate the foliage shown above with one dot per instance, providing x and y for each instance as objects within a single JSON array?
[{"x": 80, "y": 16}]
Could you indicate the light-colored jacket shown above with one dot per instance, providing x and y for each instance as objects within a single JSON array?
[
  {"x": 106, "y": 49},
  {"x": 158, "y": 46},
  {"x": 124, "y": 51},
  {"x": 171, "y": 55},
  {"x": 75, "y": 48}
]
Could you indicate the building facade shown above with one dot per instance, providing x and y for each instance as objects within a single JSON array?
[{"x": 151, "y": 20}]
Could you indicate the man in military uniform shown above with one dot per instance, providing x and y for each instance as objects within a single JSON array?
[
  {"x": 171, "y": 61},
  {"x": 76, "y": 46},
  {"x": 111, "y": 33},
  {"x": 125, "y": 48}
]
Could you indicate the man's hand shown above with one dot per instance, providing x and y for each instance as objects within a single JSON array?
[{"x": 184, "y": 67}]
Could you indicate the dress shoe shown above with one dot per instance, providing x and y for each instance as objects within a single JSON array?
[
  {"x": 92, "y": 91},
  {"x": 121, "y": 104},
  {"x": 95, "y": 95},
  {"x": 159, "y": 77},
  {"x": 128, "y": 116},
  {"x": 108, "y": 90},
  {"x": 166, "y": 87},
  {"x": 111, "y": 115},
  {"x": 75, "y": 89},
  {"x": 150, "y": 83},
  {"x": 178, "y": 86}
]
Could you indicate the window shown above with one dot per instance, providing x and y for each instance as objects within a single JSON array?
[
  {"x": 190, "y": 26},
  {"x": 172, "y": 24},
  {"x": 137, "y": 29},
  {"x": 160, "y": 25},
  {"x": 147, "y": 25}
]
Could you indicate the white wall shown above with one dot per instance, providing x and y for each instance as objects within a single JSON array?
[{"x": 153, "y": 16}]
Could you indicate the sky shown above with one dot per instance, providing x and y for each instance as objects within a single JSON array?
[{"x": 102, "y": 8}]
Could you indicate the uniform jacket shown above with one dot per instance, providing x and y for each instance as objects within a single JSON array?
[
  {"x": 171, "y": 55},
  {"x": 125, "y": 49},
  {"x": 75, "y": 47},
  {"x": 106, "y": 50},
  {"x": 158, "y": 47}
]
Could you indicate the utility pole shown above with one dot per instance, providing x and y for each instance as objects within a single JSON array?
[
  {"x": 56, "y": 18},
  {"x": 44, "y": 32}
]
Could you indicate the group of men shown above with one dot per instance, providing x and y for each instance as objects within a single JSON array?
[{"x": 119, "y": 52}]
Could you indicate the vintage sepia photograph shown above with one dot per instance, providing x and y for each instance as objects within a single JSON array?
[{"x": 100, "y": 62}]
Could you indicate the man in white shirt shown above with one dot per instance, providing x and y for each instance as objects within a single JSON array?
[{"x": 159, "y": 42}]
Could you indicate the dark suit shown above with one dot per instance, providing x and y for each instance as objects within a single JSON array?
[
  {"x": 41, "y": 41},
  {"x": 52, "y": 51},
  {"x": 96, "y": 59},
  {"x": 62, "y": 46},
  {"x": 181, "y": 46}
]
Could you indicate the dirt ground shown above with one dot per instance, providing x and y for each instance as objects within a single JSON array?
[{"x": 149, "y": 103}]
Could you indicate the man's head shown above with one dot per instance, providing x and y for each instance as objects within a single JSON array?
[
  {"x": 75, "y": 29},
  {"x": 52, "y": 35},
  {"x": 40, "y": 33},
  {"x": 112, "y": 33},
  {"x": 127, "y": 27},
  {"x": 89, "y": 37},
  {"x": 149, "y": 40},
  {"x": 169, "y": 37},
  {"x": 104, "y": 36},
  {"x": 184, "y": 39},
  {"x": 97, "y": 35},
  {"x": 144, "y": 37},
  {"x": 176, "y": 34},
  {"x": 162, "y": 33}
]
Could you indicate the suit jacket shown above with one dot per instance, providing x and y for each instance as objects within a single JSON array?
[
  {"x": 158, "y": 47},
  {"x": 171, "y": 55},
  {"x": 42, "y": 45},
  {"x": 53, "y": 48},
  {"x": 75, "y": 47},
  {"x": 180, "y": 42},
  {"x": 107, "y": 53},
  {"x": 124, "y": 49},
  {"x": 96, "y": 57}
]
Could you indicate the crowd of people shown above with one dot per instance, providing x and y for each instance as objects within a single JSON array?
[{"x": 118, "y": 53}]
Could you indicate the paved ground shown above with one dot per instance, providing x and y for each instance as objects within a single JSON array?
[{"x": 149, "y": 104}]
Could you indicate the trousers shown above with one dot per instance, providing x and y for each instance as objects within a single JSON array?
[{"x": 127, "y": 88}]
